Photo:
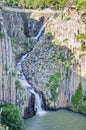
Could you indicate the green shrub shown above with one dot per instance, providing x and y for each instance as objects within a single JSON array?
[
  {"x": 14, "y": 73},
  {"x": 68, "y": 18},
  {"x": 49, "y": 36},
  {"x": 6, "y": 67},
  {"x": 65, "y": 40},
  {"x": 18, "y": 84},
  {"x": 81, "y": 36},
  {"x": 2, "y": 34},
  {"x": 83, "y": 47},
  {"x": 81, "y": 5},
  {"x": 62, "y": 58},
  {"x": 28, "y": 44},
  {"x": 11, "y": 117},
  {"x": 82, "y": 109},
  {"x": 77, "y": 97},
  {"x": 67, "y": 64},
  {"x": 54, "y": 83}
]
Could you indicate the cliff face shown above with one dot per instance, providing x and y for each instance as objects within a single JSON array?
[
  {"x": 59, "y": 63},
  {"x": 15, "y": 32},
  {"x": 55, "y": 65},
  {"x": 7, "y": 86},
  {"x": 9, "y": 51}
]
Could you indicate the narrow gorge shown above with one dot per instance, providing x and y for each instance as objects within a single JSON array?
[{"x": 43, "y": 61}]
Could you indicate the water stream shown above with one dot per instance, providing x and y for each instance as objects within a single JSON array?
[
  {"x": 24, "y": 82},
  {"x": 22, "y": 79}
]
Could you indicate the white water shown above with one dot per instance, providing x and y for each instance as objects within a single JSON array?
[
  {"x": 42, "y": 29},
  {"x": 38, "y": 97},
  {"x": 22, "y": 79}
]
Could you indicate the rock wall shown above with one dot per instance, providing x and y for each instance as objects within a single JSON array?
[
  {"x": 8, "y": 72},
  {"x": 45, "y": 59},
  {"x": 16, "y": 29},
  {"x": 7, "y": 86}
]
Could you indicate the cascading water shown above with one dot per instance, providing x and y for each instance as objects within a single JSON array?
[
  {"x": 42, "y": 29},
  {"x": 38, "y": 97},
  {"x": 22, "y": 79}
]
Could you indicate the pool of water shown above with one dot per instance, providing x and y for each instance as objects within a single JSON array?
[{"x": 56, "y": 120}]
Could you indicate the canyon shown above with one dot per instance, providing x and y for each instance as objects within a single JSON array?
[{"x": 55, "y": 59}]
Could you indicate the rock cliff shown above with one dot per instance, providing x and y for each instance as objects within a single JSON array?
[{"x": 56, "y": 65}]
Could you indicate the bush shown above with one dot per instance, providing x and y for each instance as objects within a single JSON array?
[
  {"x": 62, "y": 58},
  {"x": 53, "y": 84},
  {"x": 2, "y": 34},
  {"x": 14, "y": 74},
  {"x": 81, "y": 5},
  {"x": 28, "y": 44},
  {"x": 81, "y": 36},
  {"x": 77, "y": 97},
  {"x": 11, "y": 117},
  {"x": 49, "y": 36},
  {"x": 6, "y": 67},
  {"x": 83, "y": 47},
  {"x": 18, "y": 84}
]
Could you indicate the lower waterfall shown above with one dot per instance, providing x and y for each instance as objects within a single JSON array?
[{"x": 22, "y": 79}]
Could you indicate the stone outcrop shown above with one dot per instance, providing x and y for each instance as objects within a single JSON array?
[{"x": 45, "y": 60}]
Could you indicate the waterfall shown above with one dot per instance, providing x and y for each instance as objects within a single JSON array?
[
  {"x": 42, "y": 29},
  {"x": 22, "y": 79},
  {"x": 38, "y": 96}
]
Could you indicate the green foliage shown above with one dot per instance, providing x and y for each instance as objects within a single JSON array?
[
  {"x": 14, "y": 74},
  {"x": 83, "y": 47},
  {"x": 53, "y": 84},
  {"x": 2, "y": 34},
  {"x": 81, "y": 36},
  {"x": 67, "y": 64},
  {"x": 38, "y": 3},
  {"x": 83, "y": 17},
  {"x": 49, "y": 36},
  {"x": 82, "y": 109},
  {"x": 11, "y": 117},
  {"x": 65, "y": 39},
  {"x": 28, "y": 44},
  {"x": 6, "y": 67},
  {"x": 68, "y": 18},
  {"x": 18, "y": 84},
  {"x": 77, "y": 97},
  {"x": 81, "y": 5},
  {"x": 62, "y": 58}
]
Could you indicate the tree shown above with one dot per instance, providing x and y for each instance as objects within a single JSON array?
[
  {"x": 11, "y": 117},
  {"x": 81, "y": 4}
]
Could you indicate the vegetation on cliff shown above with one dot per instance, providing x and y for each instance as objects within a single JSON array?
[
  {"x": 11, "y": 117},
  {"x": 77, "y": 97},
  {"x": 38, "y": 3},
  {"x": 77, "y": 101},
  {"x": 56, "y": 4},
  {"x": 54, "y": 83}
]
